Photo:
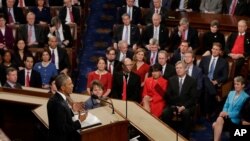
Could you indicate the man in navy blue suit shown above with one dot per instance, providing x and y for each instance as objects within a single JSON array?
[{"x": 215, "y": 72}]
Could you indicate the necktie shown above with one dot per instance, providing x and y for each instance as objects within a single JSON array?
[
  {"x": 180, "y": 85},
  {"x": 29, "y": 34},
  {"x": 21, "y": 3},
  {"x": 109, "y": 68},
  {"x": 183, "y": 34},
  {"x": 27, "y": 80},
  {"x": 232, "y": 7},
  {"x": 71, "y": 15},
  {"x": 185, "y": 5},
  {"x": 156, "y": 11},
  {"x": 152, "y": 59},
  {"x": 155, "y": 33},
  {"x": 58, "y": 37},
  {"x": 126, "y": 34},
  {"x": 211, "y": 70},
  {"x": 53, "y": 57},
  {"x": 10, "y": 17},
  {"x": 124, "y": 88}
]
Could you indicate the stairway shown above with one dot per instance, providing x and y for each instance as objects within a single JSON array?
[{"x": 96, "y": 38}]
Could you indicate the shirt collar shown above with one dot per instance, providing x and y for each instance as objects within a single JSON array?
[{"x": 63, "y": 96}]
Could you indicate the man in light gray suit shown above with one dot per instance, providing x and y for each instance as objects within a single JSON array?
[{"x": 211, "y": 6}]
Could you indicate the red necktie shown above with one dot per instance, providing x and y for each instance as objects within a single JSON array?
[
  {"x": 71, "y": 15},
  {"x": 109, "y": 69},
  {"x": 21, "y": 3},
  {"x": 10, "y": 17},
  {"x": 27, "y": 80},
  {"x": 124, "y": 89},
  {"x": 233, "y": 6},
  {"x": 29, "y": 34},
  {"x": 183, "y": 35}
]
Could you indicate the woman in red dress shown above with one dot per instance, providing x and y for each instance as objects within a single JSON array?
[
  {"x": 140, "y": 67},
  {"x": 154, "y": 89},
  {"x": 102, "y": 75}
]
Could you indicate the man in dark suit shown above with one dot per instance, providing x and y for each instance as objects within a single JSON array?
[
  {"x": 193, "y": 70},
  {"x": 192, "y": 5},
  {"x": 113, "y": 65},
  {"x": 61, "y": 58},
  {"x": 180, "y": 98},
  {"x": 130, "y": 90},
  {"x": 157, "y": 31},
  {"x": 179, "y": 53},
  {"x": 29, "y": 77},
  {"x": 69, "y": 14},
  {"x": 238, "y": 46},
  {"x": 152, "y": 53},
  {"x": 61, "y": 31},
  {"x": 61, "y": 125},
  {"x": 123, "y": 51},
  {"x": 184, "y": 32},
  {"x": 31, "y": 33},
  {"x": 11, "y": 81},
  {"x": 215, "y": 72},
  {"x": 6, "y": 38},
  {"x": 240, "y": 7},
  {"x": 13, "y": 14},
  {"x": 127, "y": 32},
  {"x": 133, "y": 11},
  {"x": 168, "y": 70},
  {"x": 156, "y": 9}
]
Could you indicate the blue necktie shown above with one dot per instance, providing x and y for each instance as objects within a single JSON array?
[{"x": 211, "y": 70}]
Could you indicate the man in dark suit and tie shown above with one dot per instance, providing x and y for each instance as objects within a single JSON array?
[
  {"x": 12, "y": 13},
  {"x": 238, "y": 46},
  {"x": 62, "y": 127},
  {"x": 127, "y": 32},
  {"x": 180, "y": 98},
  {"x": 179, "y": 53},
  {"x": 61, "y": 31},
  {"x": 29, "y": 77},
  {"x": 6, "y": 37},
  {"x": 11, "y": 81},
  {"x": 123, "y": 51},
  {"x": 157, "y": 31},
  {"x": 133, "y": 11},
  {"x": 215, "y": 72},
  {"x": 236, "y": 7},
  {"x": 168, "y": 70},
  {"x": 31, "y": 33},
  {"x": 184, "y": 32},
  {"x": 113, "y": 65},
  {"x": 126, "y": 84},
  {"x": 69, "y": 14},
  {"x": 61, "y": 58},
  {"x": 157, "y": 8},
  {"x": 152, "y": 53}
]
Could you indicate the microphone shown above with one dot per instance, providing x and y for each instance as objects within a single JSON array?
[{"x": 104, "y": 100}]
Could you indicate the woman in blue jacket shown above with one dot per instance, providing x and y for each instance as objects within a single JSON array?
[{"x": 230, "y": 114}]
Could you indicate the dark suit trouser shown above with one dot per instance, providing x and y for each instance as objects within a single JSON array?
[
  {"x": 185, "y": 117},
  {"x": 238, "y": 65}
]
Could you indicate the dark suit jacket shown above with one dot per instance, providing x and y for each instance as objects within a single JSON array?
[
  {"x": 67, "y": 34},
  {"x": 136, "y": 15},
  {"x": 148, "y": 55},
  {"x": 63, "y": 59},
  {"x": 241, "y": 9},
  {"x": 27, "y": 3},
  {"x": 75, "y": 11},
  {"x": 134, "y": 34},
  {"x": 133, "y": 87},
  {"x": 188, "y": 92},
  {"x": 55, "y": 2},
  {"x": 8, "y": 38},
  {"x": 220, "y": 71},
  {"x": 163, "y": 13},
  {"x": 39, "y": 34},
  {"x": 148, "y": 33},
  {"x": 230, "y": 43},
  {"x": 176, "y": 57},
  {"x": 169, "y": 71},
  {"x": 197, "y": 75},
  {"x": 129, "y": 54},
  {"x": 192, "y": 4},
  {"x": 117, "y": 66},
  {"x": 35, "y": 79},
  {"x": 18, "y": 13},
  {"x": 141, "y": 3},
  {"x": 61, "y": 125},
  {"x": 7, "y": 85},
  {"x": 192, "y": 38}
]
